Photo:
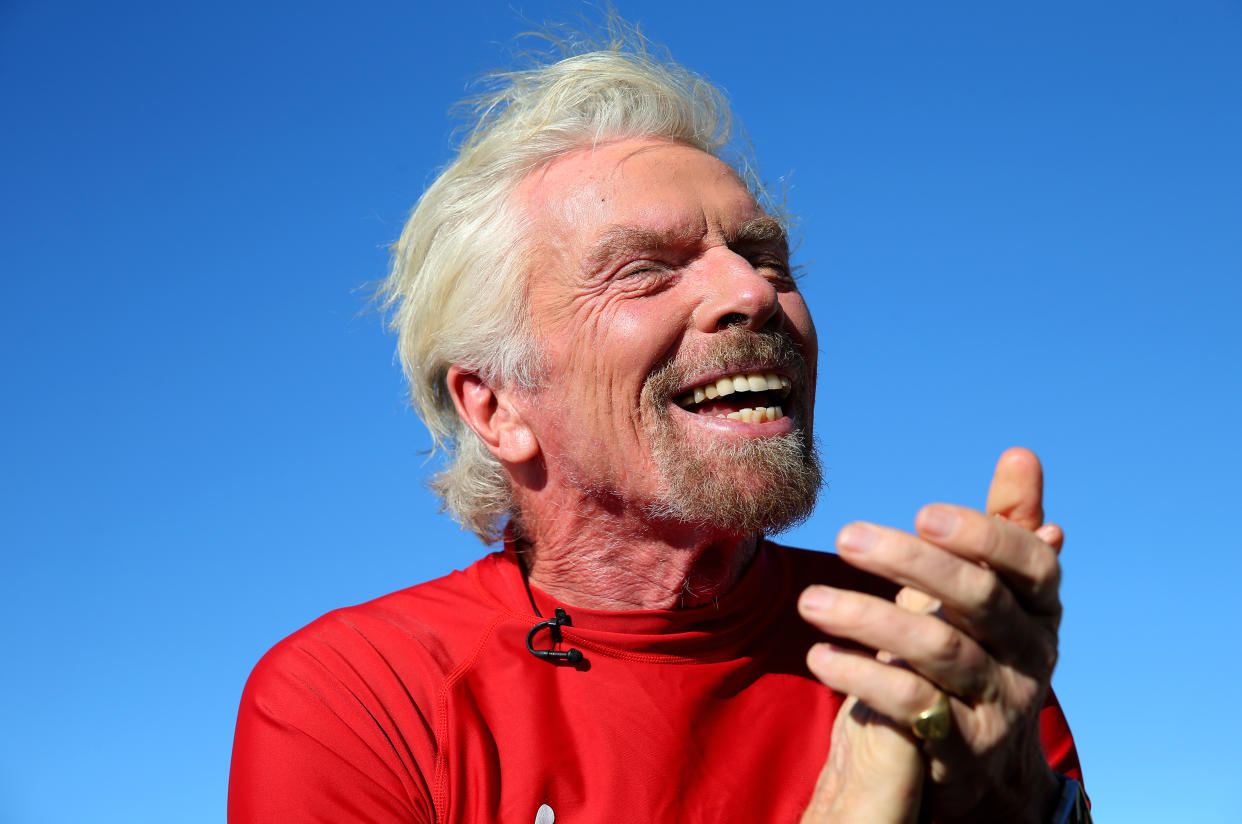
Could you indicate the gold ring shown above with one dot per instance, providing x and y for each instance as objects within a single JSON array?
[{"x": 932, "y": 724}]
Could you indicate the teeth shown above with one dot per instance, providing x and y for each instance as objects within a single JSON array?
[
  {"x": 758, "y": 414},
  {"x": 749, "y": 382}
]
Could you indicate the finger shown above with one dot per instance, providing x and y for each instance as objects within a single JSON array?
[
  {"x": 897, "y": 693},
  {"x": 1017, "y": 490},
  {"x": 914, "y": 600},
  {"x": 1052, "y": 535},
  {"x": 874, "y": 772},
  {"x": 973, "y": 597},
  {"x": 932, "y": 647},
  {"x": 1026, "y": 563}
]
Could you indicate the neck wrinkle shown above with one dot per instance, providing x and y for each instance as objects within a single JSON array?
[{"x": 583, "y": 568}]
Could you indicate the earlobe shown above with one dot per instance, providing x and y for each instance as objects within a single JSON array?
[
  {"x": 517, "y": 443},
  {"x": 492, "y": 415}
]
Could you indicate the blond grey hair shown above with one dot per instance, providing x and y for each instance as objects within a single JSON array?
[{"x": 456, "y": 290}]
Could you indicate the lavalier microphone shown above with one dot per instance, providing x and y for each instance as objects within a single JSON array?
[{"x": 560, "y": 619}]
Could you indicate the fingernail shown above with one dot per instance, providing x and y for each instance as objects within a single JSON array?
[
  {"x": 938, "y": 522},
  {"x": 818, "y": 598},
  {"x": 856, "y": 538},
  {"x": 821, "y": 654}
]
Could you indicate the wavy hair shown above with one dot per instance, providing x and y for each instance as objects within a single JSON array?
[{"x": 456, "y": 290}]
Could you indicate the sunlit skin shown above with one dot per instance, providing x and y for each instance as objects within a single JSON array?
[
  {"x": 639, "y": 260},
  {"x": 645, "y": 250}
]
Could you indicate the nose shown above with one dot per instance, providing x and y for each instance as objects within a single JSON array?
[{"x": 735, "y": 294}]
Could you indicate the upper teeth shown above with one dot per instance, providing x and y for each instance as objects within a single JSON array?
[{"x": 742, "y": 382}]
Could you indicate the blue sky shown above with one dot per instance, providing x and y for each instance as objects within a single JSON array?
[{"x": 1022, "y": 224}]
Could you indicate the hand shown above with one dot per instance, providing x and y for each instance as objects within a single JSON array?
[
  {"x": 874, "y": 772},
  {"x": 991, "y": 646}
]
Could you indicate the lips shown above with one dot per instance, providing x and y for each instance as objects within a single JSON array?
[{"x": 742, "y": 375}]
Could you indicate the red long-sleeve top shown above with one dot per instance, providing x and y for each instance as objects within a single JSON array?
[{"x": 425, "y": 706}]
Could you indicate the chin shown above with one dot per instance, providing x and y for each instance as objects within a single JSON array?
[{"x": 747, "y": 485}]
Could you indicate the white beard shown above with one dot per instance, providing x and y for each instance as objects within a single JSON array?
[{"x": 758, "y": 485}]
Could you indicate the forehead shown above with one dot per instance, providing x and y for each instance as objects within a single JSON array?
[{"x": 640, "y": 184}]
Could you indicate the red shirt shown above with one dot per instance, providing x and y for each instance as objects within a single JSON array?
[{"x": 425, "y": 705}]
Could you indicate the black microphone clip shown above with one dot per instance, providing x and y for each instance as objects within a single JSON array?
[{"x": 560, "y": 619}]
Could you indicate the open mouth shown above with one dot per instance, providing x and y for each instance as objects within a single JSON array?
[{"x": 750, "y": 397}]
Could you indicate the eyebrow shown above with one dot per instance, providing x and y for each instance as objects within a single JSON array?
[
  {"x": 765, "y": 229},
  {"x": 616, "y": 241}
]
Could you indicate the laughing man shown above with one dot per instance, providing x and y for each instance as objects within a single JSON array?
[{"x": 599, "y": 324}]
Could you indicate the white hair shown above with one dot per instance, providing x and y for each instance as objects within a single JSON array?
[{"x": 457, "y": 287}]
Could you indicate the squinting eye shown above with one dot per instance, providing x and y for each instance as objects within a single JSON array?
[
  {"x": 645, "y": 269},
  {"x": 775, "y": 268}
]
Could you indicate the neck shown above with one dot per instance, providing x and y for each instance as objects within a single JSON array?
[{"x": 598, "y": 560}]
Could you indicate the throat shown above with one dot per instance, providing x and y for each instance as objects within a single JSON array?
[{"x": 639, "y": 576}]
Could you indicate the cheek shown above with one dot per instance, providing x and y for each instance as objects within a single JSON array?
[
  {"x": 645, "y": 330},
  {"x": 798, "y": 318},
  {"x": 622, "y": 340}
]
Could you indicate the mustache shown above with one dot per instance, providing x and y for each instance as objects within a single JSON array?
[{"x": 728, "y": 352}]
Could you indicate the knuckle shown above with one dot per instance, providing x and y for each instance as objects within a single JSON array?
[
  {"x": 985, "y": 684},
  {"x": 974, "y": 658},
  {"x": 1045, "y": 575},
  {"x": 1047, "y": 566},
  {"x": 946, "y": 642},
  {"x": 911, "y": 692},
  {"x": 1041, "y": 652},
  {"x": 904, "y": 548},
  {"x": 994, "y": 597},
  {"x": 992, "y": 540}
]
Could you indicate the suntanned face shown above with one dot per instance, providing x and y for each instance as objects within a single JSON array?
[{"x": 662, "y": 299}]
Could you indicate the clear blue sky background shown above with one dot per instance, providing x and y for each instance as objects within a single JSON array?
[{"x": 1022, "y": 222}]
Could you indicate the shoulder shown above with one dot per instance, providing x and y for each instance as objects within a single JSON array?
[
  {"x": 356, "y": 692},
  {"x": 419, "y": 632}
]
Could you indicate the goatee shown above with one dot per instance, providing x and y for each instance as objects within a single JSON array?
[{"x": 748, "y": 486}]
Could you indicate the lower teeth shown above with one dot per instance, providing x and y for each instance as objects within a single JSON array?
[{"x": 755, "y": 415}]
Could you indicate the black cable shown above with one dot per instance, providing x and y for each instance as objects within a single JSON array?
[
  {"x": 553, "y": 625},
  {"x": 561, "y": 619}
]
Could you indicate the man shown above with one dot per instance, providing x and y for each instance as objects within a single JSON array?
[{"x": 599, "y": 324}]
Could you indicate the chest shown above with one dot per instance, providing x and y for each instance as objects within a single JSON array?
[{"x": 624, "y": 738}]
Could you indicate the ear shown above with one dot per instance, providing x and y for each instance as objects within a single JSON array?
[{"x": 492, "y": 415}]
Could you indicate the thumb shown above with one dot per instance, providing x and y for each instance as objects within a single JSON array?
[{"x": 1017, "y": 490}]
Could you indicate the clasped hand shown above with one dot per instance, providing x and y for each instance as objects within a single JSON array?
[{"x": 977, "y": 620}]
